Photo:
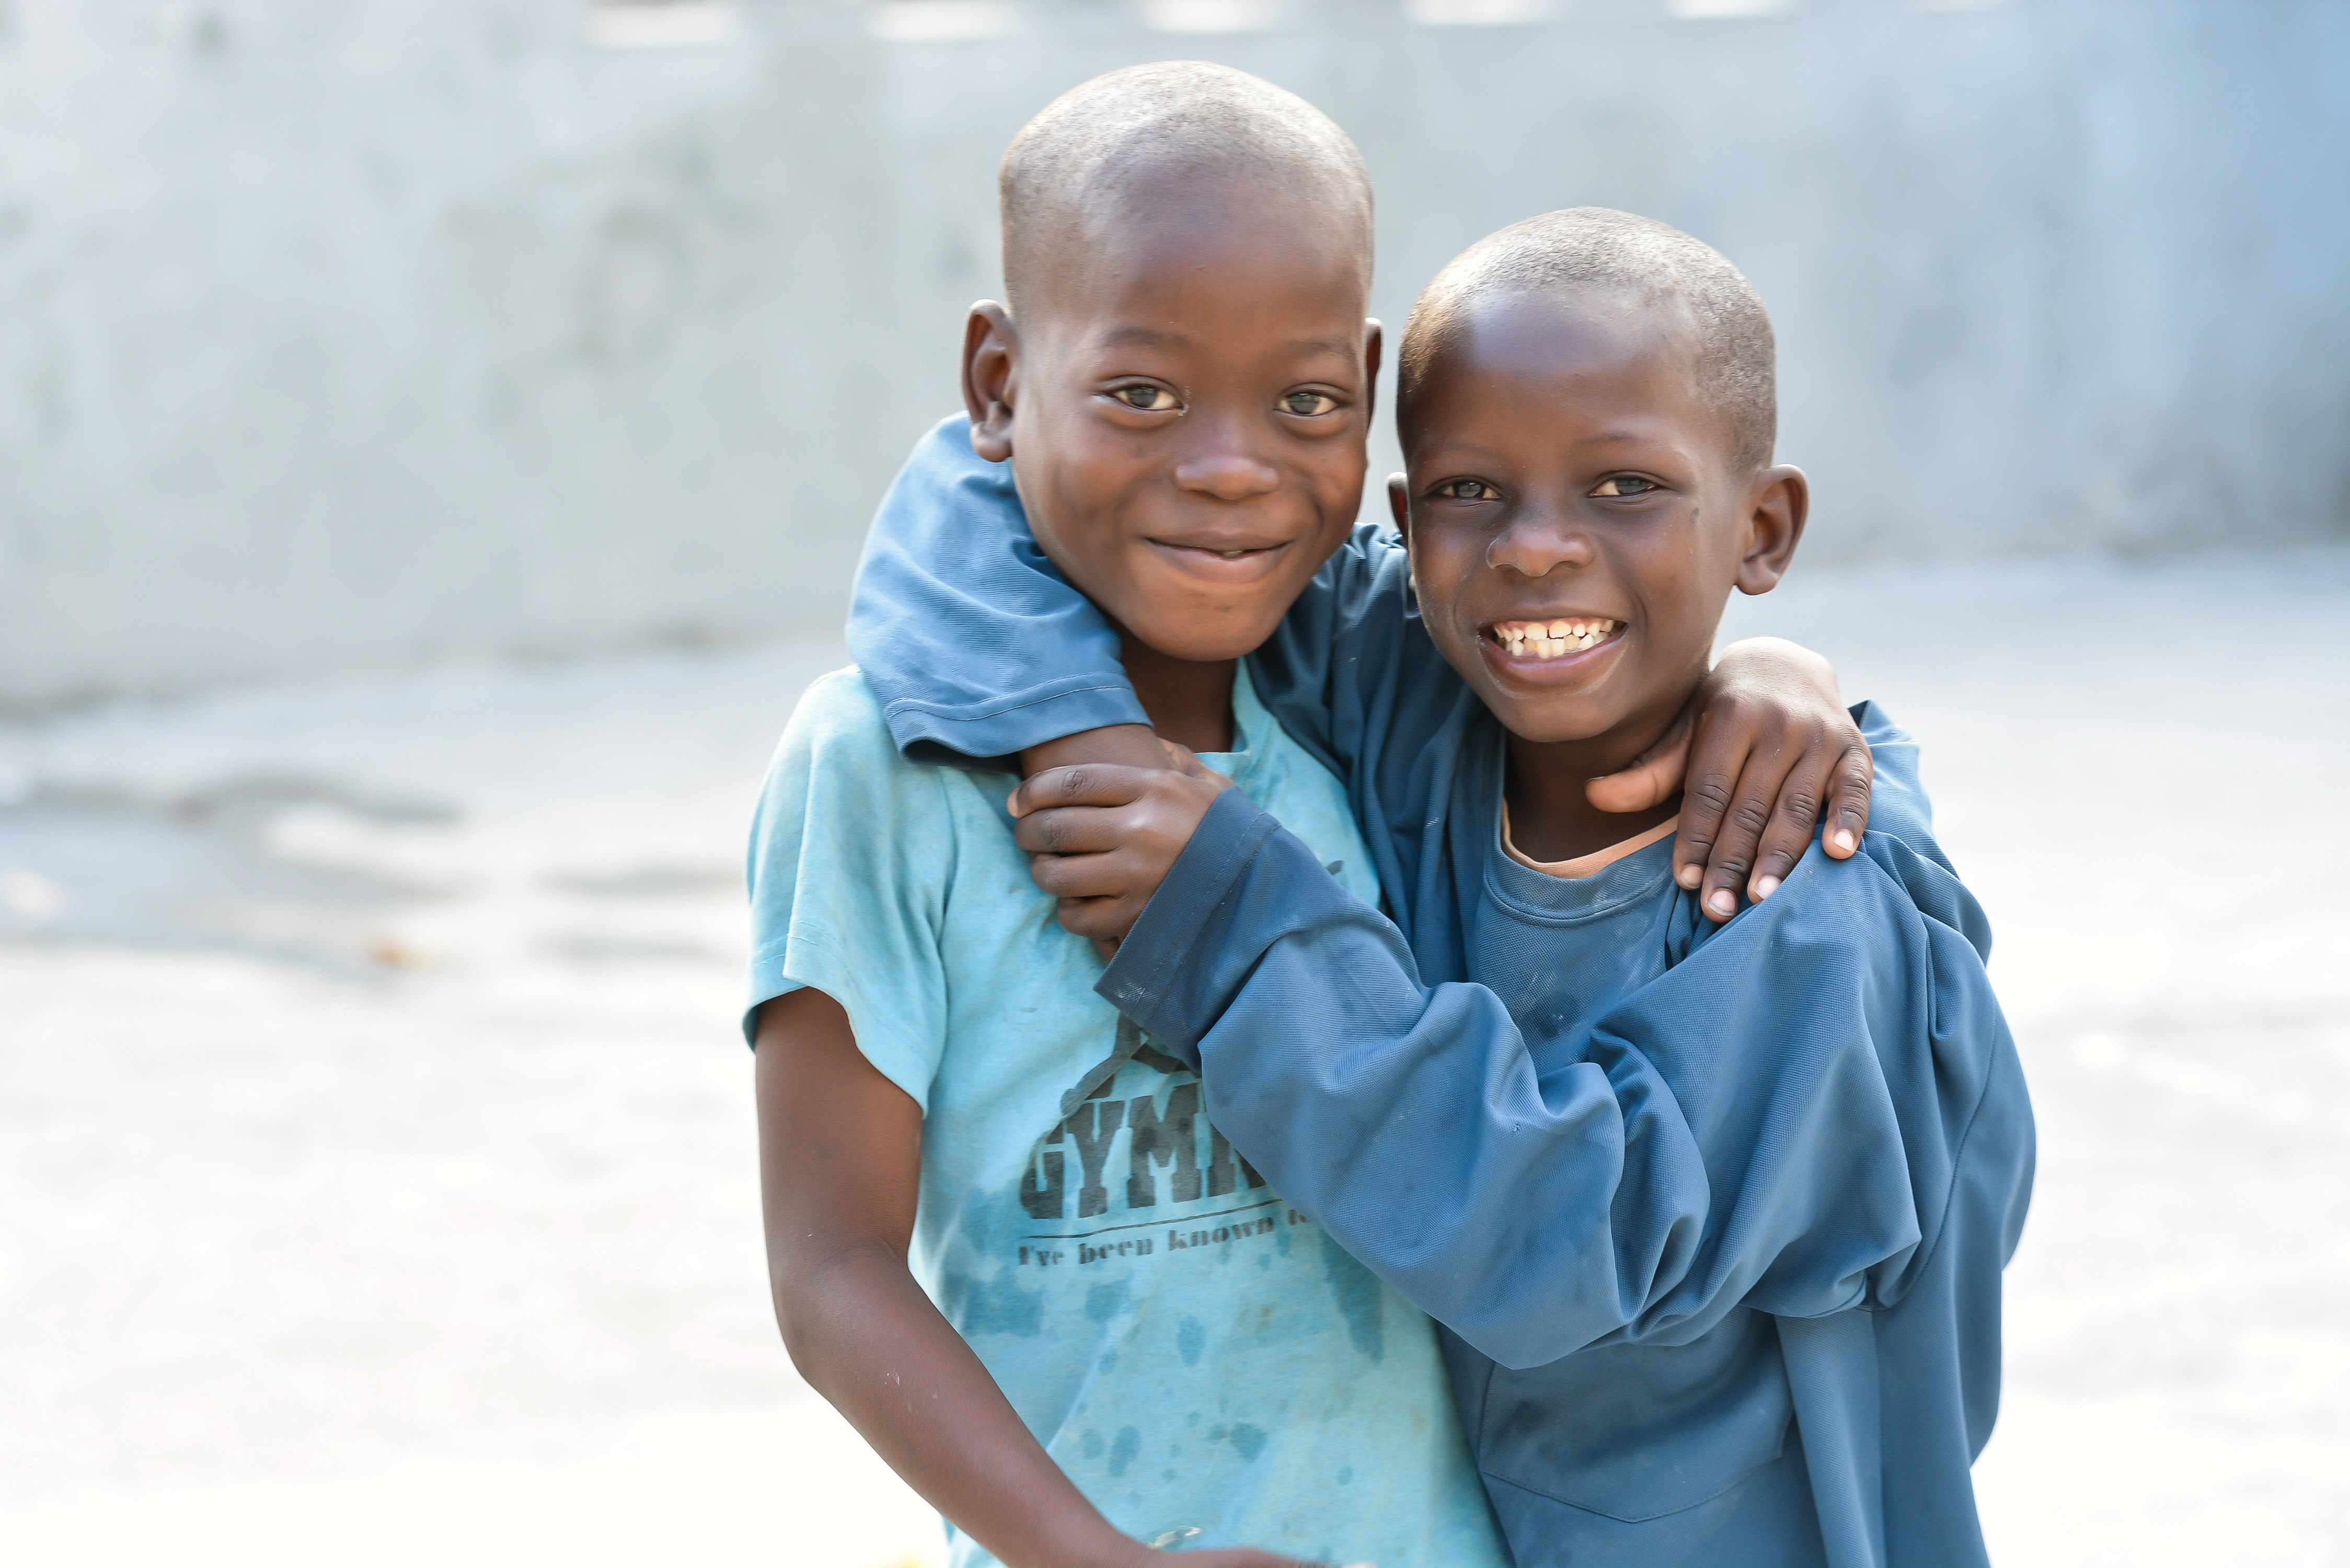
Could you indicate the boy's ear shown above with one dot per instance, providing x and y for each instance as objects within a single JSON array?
[
  {"x": 1399, "y": 504},
  {"x": 1781, "y": 499},
  {"x": 1374, "y": 340},
  {"x": 991, "y": 378}
]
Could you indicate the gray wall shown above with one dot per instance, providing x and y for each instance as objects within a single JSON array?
[{"x": 354, "y": 335}]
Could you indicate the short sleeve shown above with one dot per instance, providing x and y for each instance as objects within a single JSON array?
[{"x": 850, "y": 848}]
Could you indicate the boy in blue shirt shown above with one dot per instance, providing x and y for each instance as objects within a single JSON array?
[
  {"x": 1113, "y": 1337},
  {"x": 1715, "y": 1215}
]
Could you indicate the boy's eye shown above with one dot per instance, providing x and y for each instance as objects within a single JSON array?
[
  {"x": 1310, "y": 403},
  {"x": 1149, "y": 398},
  {"x": 1468, "y": 490},
  {"x": 1625, "y": 484}
]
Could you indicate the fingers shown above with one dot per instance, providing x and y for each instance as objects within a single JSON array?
[
  {"x": 1071, "y": 830},
  {"x": 1796, "y": 811},
  {"x": 1103, "y": 921},
  {"x": 1773, "y": 749},
  {"x": 1853, "y": 776},
  {"x": 1738, "y": 837},
  {"x": 1087, "y": 783},
  {"x": 1775, "y": 806},
  {"x": 1099, "y": 896},
  {"x": 1648, "y": 779},
  {"x": 1717, "y": 758},
  {"x": 1101, "y": 838},
  {"x": 1101, "y": 876}
]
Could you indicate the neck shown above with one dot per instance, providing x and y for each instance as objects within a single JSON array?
[
  {"x": 1189, "y": 702},
  {"x": 1551, "y": 817}
]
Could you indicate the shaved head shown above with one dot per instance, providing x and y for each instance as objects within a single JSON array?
[
  {"x": 1176, "y": 132},
  {"x": 1594, "y": 248}
]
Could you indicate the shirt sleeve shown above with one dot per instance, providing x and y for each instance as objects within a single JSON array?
[
  {"x": 1772, "y": 1123},
  {"x": 973, "y": 643},
  {"x": 849, "y": 847}
]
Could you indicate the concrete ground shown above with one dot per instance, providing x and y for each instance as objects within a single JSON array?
[{"x": 376, "y": 1168}]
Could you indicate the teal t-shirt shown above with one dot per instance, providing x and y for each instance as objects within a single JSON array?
[{"x": 1207, "y": 1364}]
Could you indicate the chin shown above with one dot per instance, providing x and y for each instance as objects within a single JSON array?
[
  {"x": 1189, "y": 643},
  {"x": 1203, "y": 629},
  {"x": 1533, "y": 719}
]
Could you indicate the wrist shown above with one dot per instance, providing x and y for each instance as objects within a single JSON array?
[{"x": 1118, "y": 745}]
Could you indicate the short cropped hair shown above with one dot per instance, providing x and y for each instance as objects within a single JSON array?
[
  {"x": 1175, "y": 117},
  {"x": 1597, "y": 248}
]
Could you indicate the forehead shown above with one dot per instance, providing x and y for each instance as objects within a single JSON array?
[
  {"x": 1148, "y": 237},
  {"x": 1570, "y": 333},
  {"x": 1570, "y": 354}
]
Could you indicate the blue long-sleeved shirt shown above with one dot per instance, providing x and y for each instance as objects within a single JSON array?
[{"x": 1715, "y": 1216}]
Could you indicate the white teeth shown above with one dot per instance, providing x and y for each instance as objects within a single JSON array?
[{"x": 1550, "y": 640}]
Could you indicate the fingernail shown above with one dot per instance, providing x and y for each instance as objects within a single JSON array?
[
  {"x": 1721, "y": 902},
  {"x": 1845, "y": 840},
  {"x": 1765, "y": 886},
  {"x": 1690, "y": 875}
]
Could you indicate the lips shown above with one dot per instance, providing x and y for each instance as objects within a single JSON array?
[{"x": 1222, "y": 561}]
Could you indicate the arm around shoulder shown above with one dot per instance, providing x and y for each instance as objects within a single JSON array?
[{"x": 1709, "y": 1142}]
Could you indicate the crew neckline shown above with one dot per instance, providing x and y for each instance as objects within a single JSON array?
[
  {"x": 1589, "y": 865},
  {"x": 1250, "y": 718}
]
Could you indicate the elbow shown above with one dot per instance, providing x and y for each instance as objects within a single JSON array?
[
  {"x": 817, "y": 1293},
  {"x": 796, "y": 1318}
]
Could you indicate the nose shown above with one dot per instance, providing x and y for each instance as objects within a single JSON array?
[
  {"x": 1536, "y": 546},
  {"x": 1228, "y": 475}
]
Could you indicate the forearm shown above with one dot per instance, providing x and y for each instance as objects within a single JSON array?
[
  {"x": 840, "y": 1162},
  {"x": 1642, "y": 1182},
  {"x": 1409, "y": 1121},
  {"x": 863, "y": 1335}
]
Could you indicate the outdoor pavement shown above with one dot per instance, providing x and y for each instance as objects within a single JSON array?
[{"x": 376, "y": 1167}]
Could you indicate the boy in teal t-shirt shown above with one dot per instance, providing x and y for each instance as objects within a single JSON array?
[{"x": 1204, "y": 1363}]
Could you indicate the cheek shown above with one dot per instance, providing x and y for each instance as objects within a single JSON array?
[{"x": 1445, "y": 564}]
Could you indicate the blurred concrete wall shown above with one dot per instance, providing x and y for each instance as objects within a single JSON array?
[{"x": 358, "y": 334}]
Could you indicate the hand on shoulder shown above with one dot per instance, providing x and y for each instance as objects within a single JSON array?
[{"x": 1764, "y": 754}]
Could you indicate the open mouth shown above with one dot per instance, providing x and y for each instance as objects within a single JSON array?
[{"x": 1551, "y": 638}]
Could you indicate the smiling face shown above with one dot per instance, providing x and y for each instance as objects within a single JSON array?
[
  {"x": 1577, "y": 514},
  {"x": 1185, "y": 405}
]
